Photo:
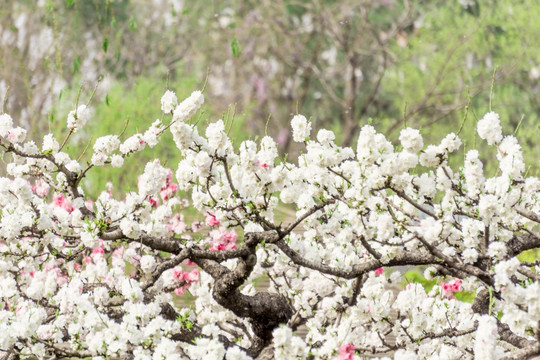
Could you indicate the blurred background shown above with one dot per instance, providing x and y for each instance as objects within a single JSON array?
[{"x": 437, "y": 65}]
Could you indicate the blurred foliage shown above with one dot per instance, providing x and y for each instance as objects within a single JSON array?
[
  {"x": 415, "y": 276},
  {"x": 483, "y": 58},
  {"x": 436, "y": 65},
  {"x": 529, "y": 255}
]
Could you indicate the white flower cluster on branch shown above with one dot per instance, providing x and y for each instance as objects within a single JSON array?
[{"x": 101, "y": 277}]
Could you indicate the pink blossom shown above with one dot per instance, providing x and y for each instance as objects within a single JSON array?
[
  {"x": 181, "y": 290},
  {"x": 456, "y": 285},
  {"x": 448, "y": 289},
  {"x": 168, "y": 191},
  {"x": 192, "y": 276},
  {"x": 223, "y": 239},
  {"x": 98, "y": 251},
  {"x": 211, "y": 219},
  {"x": 61, "y": 201},
  {"x": 169, "y": 188},
  {"x": 229, "y": 236},
  {"x": 153, "y": 202},
  {"x": 178, "y": 274},
  {"x": 41, "y": 188},
  {"x": 118, "y": 253},
  {"x": 62, "y": 280},
  {"x": 346, "y": 352},
  {"x": 196, "y": 226},
  {"x": 379, "y": 271},
  {"x": 177, "y": 224},
  {"x": 189, "y": 262},
  {"x": 218, "y": 247},
  {"x": 169, "y": 177},
  {"x": 89, "y": 205}
]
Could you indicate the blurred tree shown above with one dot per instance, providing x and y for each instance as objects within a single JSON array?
[{"x": 340, "y": 62}]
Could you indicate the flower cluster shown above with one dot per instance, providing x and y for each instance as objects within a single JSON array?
[
  {"x": 451, "y": 287},
  {"x": 102, "y": 277},
  {"x": 78, "y": 118}
]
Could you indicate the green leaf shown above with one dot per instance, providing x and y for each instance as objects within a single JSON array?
[
  {"x": 235, "y": 48},
  {"x": 69, "y": 3},
  {"x": 76, "y": 64},
  {"x": 107, "y": 100},
  {"x": 105, "y": 44},
  {"x": 132, "y": 24}
]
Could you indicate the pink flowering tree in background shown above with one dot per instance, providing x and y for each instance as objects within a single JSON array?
[{"x": 102, "y": 277}]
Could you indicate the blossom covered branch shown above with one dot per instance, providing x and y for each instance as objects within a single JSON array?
[{"x": 106, "y": 277}]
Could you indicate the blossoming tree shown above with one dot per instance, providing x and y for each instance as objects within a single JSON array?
[{"x": 84, "y": 278}]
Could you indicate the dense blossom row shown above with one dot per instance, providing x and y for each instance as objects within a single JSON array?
[{"x": 99, "y": 277}]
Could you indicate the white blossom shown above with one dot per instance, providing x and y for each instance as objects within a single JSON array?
[
  {"x": 486, "y": 338},
  {"x": 6, "y": 124},
  {"x": 131, "y": 229},
  {"x": 325, "y": 136},
  {"x": 411, "y": 140},
  {"x": 168, "y": 101},
  {"x": 106, "y": 144},
  {"x": 188, "y": 107},
  {"x": 78, "y": 118},
  {"x": 50, "y": 144},
  {"x": 489, "y": 128},
  {"x": 301, "y": 128},
  {"x": 148, "y": 263},
  {"x": 117, "y": 161}
]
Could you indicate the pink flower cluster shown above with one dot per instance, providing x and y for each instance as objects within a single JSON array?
[
  {"x": 168, "y": 190},
  {"x": 346, "y": 352},
  {"x": 211, "y": 219},
  {"x": 41, "y": 188},
  {"x": 223, "y": 239},
  {"x": 176, "y": 224},
  {"x": 61, "y": 278},
  {"x": 449, "y": 288},
  {"x": 187, "y": 278},
  {"x": 63, "y": 202}
]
